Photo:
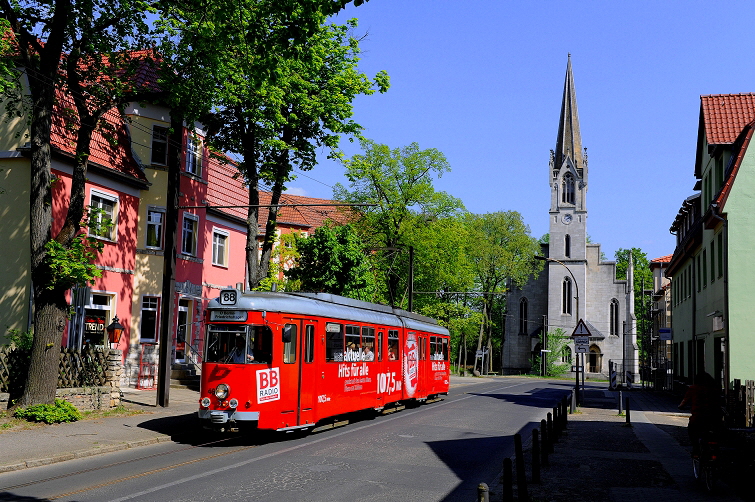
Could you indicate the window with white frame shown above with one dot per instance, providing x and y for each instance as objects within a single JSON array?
[
  {"x": 189, "y": 234},
  {"x": 160, "y": 145},
  {"x": 193, "y": 155},
  {"x": 220, "y": 247},
  {"x": 155, "y": 226},
  {"x": 150, "y": 315},
  {"x": 104, "y": 215}
]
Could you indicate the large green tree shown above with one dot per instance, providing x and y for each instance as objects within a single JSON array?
[
  {"x": 502, "y": 252},
  {"x": 333, "y": 260},
  {"x": 276, "y": 107},
  {"x": 81, "y": 51},
  {"x": 398, "y": 183},
  {"x": 643, "y": 280}
]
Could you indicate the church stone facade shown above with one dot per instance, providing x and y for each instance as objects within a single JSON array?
[{"x": 574, "y": 284}]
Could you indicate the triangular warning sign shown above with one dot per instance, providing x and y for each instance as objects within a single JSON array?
[{"x": 581, "y": 329}]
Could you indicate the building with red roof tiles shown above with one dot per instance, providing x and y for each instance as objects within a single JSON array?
[
  {"x": 115, "y": 182},
  {"x": 711, "y": 269}
]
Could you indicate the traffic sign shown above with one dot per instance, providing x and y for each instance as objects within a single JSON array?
[
  {"x": 581, "y": 340},
  {"x": 581, "y": 329},
  {"x": 581, "y": 348}
]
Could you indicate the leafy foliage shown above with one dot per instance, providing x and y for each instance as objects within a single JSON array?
[
  {"x": 20, "y": 339},
  {"x": 61, "y": 411},
  {"x": 556, "y": 342},
  {"x": 643, "y": 278},
  {"x": 333, "y": 260}
]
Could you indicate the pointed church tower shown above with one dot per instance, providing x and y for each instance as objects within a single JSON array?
[{"x": 568, "y": 180}]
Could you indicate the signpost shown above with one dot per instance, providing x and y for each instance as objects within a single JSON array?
[{"x": 581, "y": 336}]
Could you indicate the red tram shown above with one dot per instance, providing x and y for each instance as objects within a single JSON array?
[{"x": 287, "y": 361}]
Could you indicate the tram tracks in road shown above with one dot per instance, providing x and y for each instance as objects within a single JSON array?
[
  {"x": 131, "y": 461},
  {"x": 448, "y": 400}
]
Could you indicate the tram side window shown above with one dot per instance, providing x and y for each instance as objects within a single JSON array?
[
  {"x": 368, "y": 343},
  {"x": 445, "y": 348},
  {"x": 353, "y": 345},
  {"x": 334, "y": 342},
  {"x": 289, "y": 343},
  {"x": 393, "y": 353},
  {"x": 379, "y": 346},
  {"x": 261, "y": 338},
  {"x": 309, "y": 344},
  {"x": 438, "y": 348},
  {"x": 422, "y": 348}
]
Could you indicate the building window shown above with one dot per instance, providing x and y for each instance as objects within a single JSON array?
[
  {"x": 155, "y": 225},
  {"x": 713, "y": 260},
  {"x": 160, "y": 145},
  {"x": 566, "y": 354},
  {"x": 219, "y": 248},
  {"x": 705, "y": 268},
  {"x": 523, "y": 308},
  {"x": 614, "y": 317},
  {"x": 567, "y": 189},
  {"x": 566, "y": 296},
  {"x": 103, "y": 220},
  {"x": 193, "y": 155},
  {"x": 567, "y": 245},
  {"x": 150, "y": 315},
  {"x": 189, "y": 234},
  {"x": 699, "y": 286}
]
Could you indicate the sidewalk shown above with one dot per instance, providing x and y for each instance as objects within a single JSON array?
[
  {"x": 599, "y": 457},
  {"x": 41, "y": 445}
]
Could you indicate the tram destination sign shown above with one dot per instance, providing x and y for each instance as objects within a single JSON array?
[{"x": 227, "y": 315}]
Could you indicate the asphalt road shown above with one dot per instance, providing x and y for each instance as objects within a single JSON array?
[{"x": 437, "y": 451}]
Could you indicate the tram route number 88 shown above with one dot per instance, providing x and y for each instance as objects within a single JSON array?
[{"x": 228, "y": 297}]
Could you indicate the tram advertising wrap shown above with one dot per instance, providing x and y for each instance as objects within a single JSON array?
[{"x": 287, "y": 361}]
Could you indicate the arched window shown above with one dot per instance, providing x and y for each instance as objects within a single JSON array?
[
  {"x": 523, "y": 316},
  {"x": 613, "y": 321},
  {"x": 566, "y": 296},
  {"x": 566, "y": 354},
  {"x": 567, "y": 245},
  {"x": 567, "y": 189}
]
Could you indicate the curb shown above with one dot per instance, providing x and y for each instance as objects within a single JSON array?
[{"x": 83, "y": 454}]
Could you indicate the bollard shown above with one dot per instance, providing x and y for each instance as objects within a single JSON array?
[
  {"x": 544, "y": 443},
  {"x": 573, "y": 402},
  {"x": 629, "y": 421},
  {"x": 508, "y": 481},
  {"x": 521, "y": 478},
  {"x": 551, "y": 435},
  {"x": 565, "y": 414},
  {"x": 483, "y": 494},
  {"x": 621, "y": 403},
  {"x": 556, "y": 424},
  {"x": 535, "y": 456}
]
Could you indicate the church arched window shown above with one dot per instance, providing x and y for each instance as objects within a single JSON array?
[
  {"x": 566, "y": 296},
  {"x": 614, "y": 317},
  {"x": 567, "y": 189},
  {"x": 523, "y": 308},
  {"x": 567, "y": 245}
]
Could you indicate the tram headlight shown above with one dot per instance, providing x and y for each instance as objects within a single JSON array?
[
  {"x": 205, "y": 402},
  {"x": 233, "y": 403},
  {"x": 222, "y": 390}
]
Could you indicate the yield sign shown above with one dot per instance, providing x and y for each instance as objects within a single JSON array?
[{"x": 581, "y": 329}]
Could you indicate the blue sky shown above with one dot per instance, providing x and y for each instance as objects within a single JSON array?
[{"x": 482, "y": 82}]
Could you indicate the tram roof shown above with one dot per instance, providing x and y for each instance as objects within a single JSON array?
[{"x": 331, "y": 306}]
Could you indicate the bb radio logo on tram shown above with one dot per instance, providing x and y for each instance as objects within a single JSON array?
[{"x": 268, "y": 385}]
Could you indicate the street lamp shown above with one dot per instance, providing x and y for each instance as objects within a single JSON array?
[
  {"x": 576, "y": 289},
  {"x": 114, "y": 331}
]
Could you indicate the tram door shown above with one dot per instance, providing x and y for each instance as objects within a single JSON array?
[{"x": 298, "y": 359}]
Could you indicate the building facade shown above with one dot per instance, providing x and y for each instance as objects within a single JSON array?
[
  {"x": 713, "y": 278},
  {"x": 575, "y": 283}
]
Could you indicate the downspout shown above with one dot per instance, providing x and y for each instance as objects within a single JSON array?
[{"x": 714, "y": 213}]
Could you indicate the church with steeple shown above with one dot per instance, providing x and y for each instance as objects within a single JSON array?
[{"x": 574, "y": 283}]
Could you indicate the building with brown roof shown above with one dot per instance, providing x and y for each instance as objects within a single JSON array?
[{"x": 713, "y": 274}]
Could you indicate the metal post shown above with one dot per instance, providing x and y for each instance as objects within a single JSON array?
[
  {"x": 621, "y": 403},
  {"x": 508, "y": 481},
  {"x": 535, "y": 456},
  {"x": 544, "y": 446},
  {"x": 483, "y": 493},
  {"x": 521, "y": 478}
]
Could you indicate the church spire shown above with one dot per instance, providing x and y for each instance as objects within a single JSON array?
[{"x": 569, "y": 142}]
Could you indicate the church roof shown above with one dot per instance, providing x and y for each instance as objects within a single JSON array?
[{"x": 569, "y": 141}]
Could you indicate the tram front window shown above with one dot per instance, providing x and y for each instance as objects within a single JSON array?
[{"x": 238, "y": 344}]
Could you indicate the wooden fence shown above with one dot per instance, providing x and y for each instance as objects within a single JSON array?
[{"x": 77, "y": 368}]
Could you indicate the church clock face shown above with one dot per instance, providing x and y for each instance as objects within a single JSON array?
[{"x": 566, "y": 219}]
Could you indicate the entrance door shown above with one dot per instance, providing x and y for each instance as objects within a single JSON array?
[
  {"x": 298, "y": 372},
  {"x": 183, "y": 329}
]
